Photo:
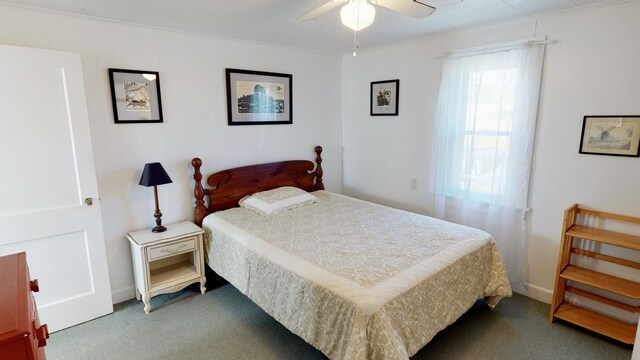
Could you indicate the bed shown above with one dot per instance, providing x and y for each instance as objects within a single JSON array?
[{"x": 354, "y": 279}]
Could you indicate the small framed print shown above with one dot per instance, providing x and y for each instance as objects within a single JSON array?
[
  {"x": 611, "y": 135},
  {"x": 384, "y": 97},
  {"x": 135, "y": 95},
  {"x": 259, "y": 98}
]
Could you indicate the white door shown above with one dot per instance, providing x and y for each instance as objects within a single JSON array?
[{"x": 49, "y": 204}]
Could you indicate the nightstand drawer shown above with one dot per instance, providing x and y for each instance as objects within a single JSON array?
[{"x": 184, "y": 245}]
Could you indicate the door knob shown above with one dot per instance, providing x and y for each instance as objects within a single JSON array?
[{"x": 88, "y": 201}]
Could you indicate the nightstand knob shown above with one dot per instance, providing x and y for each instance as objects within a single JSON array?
[{"x": 88, "y": 201}]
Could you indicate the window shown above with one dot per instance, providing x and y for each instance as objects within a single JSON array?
[
  {"x": 483, "y": 143},
  {"x": 480, "y": 165},
  {"x": 485, "y": 106}
]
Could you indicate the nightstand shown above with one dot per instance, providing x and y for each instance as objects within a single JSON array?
[{"x": 168, "y": 261}]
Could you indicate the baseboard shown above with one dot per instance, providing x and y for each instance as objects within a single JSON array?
[
  {"x": 123, "y": 294},
  {"x": 535, "y": 292},
  {"x": 529, "y": 290}
]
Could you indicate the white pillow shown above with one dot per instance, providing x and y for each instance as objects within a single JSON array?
[{"x": 277, "y": 200}]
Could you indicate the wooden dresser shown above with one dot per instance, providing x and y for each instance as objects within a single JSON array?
[{"x": 21, "y": 335}]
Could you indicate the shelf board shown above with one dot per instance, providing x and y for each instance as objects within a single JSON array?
[
  {"x": 611, "y": 259},
  {"x": 596, "y": 322},
  {"x": 605, "y": 236},
  {"x": 604, "y": 300},
  {"x": 599, "y": 280},
  {"x": 174, "y": 273}
]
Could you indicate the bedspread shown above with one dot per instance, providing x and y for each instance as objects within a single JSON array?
[{"x": 354, "y": 279}]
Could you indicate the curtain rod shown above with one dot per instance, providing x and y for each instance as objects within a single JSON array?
[{"x": 496, "y": 47}]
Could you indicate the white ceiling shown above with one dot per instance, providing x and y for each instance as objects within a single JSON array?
[{"x": 275, "y": 21}]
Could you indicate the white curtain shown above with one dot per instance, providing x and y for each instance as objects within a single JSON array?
[{"x": 483, "y": 142}]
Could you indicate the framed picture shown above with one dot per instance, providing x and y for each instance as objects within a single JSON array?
[
  {"x": 135, "y": 96},
  {"x": 259, "y": 98},
  {"x": 384, "y": 97},
  {"x": 611, "y": 135}
]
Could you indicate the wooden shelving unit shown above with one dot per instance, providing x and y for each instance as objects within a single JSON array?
[{"x": 594, "y": 321}]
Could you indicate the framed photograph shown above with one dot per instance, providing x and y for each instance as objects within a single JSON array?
[
  {"x": 611, "y": 135},
  {"x": 384, "y": 98},
  {"x": 135, "y": 96},
  {"x": 259, "y": 98}
]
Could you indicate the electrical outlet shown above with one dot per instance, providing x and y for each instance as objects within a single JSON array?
[{"x": 414, "y": 184}]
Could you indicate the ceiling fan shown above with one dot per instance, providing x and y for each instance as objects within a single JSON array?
[{"x": 358, "y": 14}]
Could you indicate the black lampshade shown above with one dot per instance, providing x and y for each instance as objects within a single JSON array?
[{"x": 154, "y": 174}]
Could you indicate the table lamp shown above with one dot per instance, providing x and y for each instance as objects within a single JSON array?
[{"x": 154, "y": 175}]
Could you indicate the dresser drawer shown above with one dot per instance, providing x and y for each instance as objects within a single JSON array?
[
  {"x": 21, "y": 335},
  {"x": 178, "y": 247}
]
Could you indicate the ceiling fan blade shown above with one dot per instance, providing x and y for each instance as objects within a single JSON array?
[
  {"x": 315, "y": 13},
  {"x": 415, "y": 8}
]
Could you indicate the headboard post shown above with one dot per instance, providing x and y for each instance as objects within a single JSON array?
[
  {"x": 319, "y": 184},
  {"x": 200, "y": 210}
]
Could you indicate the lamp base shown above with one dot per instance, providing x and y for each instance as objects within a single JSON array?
[{"x": 159, "y": 229}]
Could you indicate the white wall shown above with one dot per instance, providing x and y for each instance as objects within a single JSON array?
[
  {"x": 593, "y": 69},
  {"x": 195, "y": 119}
]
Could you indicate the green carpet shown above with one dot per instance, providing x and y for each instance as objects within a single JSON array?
[{"x": 224, "y": 324}]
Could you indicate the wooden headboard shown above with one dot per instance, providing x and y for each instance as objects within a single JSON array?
[{"x": 227, "y": 187}]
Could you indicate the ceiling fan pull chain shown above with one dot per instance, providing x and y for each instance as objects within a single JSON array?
[{"x": 355, "y": 42}]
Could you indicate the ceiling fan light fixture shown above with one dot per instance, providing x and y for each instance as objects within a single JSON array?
[{"x": 357, "y": 14}]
